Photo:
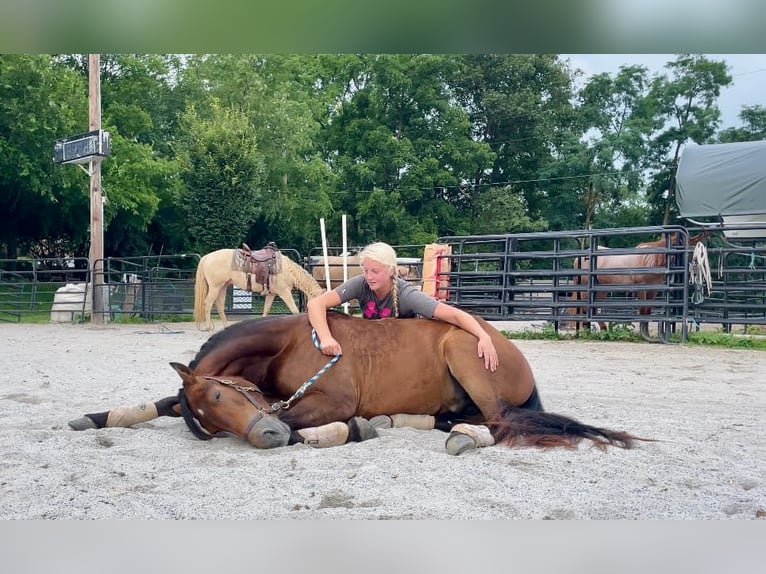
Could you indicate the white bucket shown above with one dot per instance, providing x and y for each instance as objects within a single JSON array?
[{"x": 70, "y": 299}]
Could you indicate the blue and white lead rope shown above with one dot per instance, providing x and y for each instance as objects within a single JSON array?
[{"x": 302, "y": 389}]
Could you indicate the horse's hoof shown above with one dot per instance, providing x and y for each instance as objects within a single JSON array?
[
  {"x": 83, "y": 423},
  {"x": 360, "y": 429},
  {"x": 381, "y": 422},
  {"x": 458, "y": 443}
]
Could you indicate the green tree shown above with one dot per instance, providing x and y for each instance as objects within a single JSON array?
[
  {"x": 277, "y": 96},
  {"x": 599, "y": 171},
  {"x": 754, "y": 128},
  {"x": 399, "y": 133},
  {"x": 44, "y": 204},
  {"x": 520, "y": 105},
  {"x": 222, "y": 172},
  {"x": 686, "y": 110},
  {"x": 139, "y": 110}
]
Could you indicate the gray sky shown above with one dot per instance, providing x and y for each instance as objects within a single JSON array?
[{"x": 748, "y": 72}]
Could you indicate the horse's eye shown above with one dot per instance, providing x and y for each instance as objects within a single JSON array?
[{"x": 218, "y": 396}]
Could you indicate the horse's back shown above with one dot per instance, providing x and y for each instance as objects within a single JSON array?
[
  {"x": 217, "y": 263},
  {"x": 425, "y": 354}
]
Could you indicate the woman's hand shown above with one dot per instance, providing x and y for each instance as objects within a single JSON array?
[
  {"x": 488, "y": 352},
  {"x": 460, "y": 318},
  {"x": 330, "y": 347}
]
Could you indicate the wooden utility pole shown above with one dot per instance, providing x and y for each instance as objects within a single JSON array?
[{"x": 96, "y": 257}]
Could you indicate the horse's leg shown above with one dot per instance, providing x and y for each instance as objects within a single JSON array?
[
  {"x": 201, "y": 289},
  {"x": 287, "y": 296},
  {"x": 644, "y": 311},
  {"x": 267, "y": 302},
  {"x": 463, "y": 436},
  {"x": 220, "y": 303},
  {"x": 356, "y": 429},
  {"x": 212, "y": 299},
  {"x": 420, "y": 422},
  {"x": 128, "y": 416},
  {"x": 512, "y": 383},
  {"x": 644, "y": 296},
  {"x": 359, "y": 429},
  {"x": 322, "y": 420},
  {"x": 600, "y": 297},
  {"x": 576, "y": 296}
]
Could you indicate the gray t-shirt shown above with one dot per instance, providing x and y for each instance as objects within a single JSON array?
[{"x": 411, "y": 301}]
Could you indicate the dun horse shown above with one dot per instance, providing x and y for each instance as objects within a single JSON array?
[
  {"x": 637, "y": 272},
  {"x": 265, "y": 381},
  {"x": 266, "y": 272}
]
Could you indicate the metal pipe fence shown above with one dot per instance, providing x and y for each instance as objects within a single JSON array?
[{"x": 513, "y": 277}]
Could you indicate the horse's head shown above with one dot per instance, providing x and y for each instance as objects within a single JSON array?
[
  {"x": 675, "y": 238},
  {"x": 699, "y": 237},
  {"x": 212, "y": 406}
]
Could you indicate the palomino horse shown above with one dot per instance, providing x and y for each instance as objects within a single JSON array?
[
  {"x": 638, "y": 272},
  {"x": 264, "y": 379},
  {"x": 267, "y": 272}
]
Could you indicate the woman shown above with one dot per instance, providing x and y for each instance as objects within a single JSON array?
[{"x": 382, "y": 293}]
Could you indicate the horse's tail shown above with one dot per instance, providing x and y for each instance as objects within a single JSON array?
[
  {"x": 200, "y": 293},
  {"x": 518, "y": 426}
]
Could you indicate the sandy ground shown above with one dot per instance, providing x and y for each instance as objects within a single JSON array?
[{"x": 704, "y": 405}]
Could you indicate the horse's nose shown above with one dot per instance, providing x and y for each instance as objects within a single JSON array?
[{"x": 269, "y": 432}]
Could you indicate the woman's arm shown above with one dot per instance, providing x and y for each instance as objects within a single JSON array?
[
  {"x": 461, "y": 319},
  {"x": 317, "y": 312}
]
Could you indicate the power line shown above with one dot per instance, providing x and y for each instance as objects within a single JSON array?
[
  {"x": 750, "y": 72},
  {"x": 493, "y": 184}
]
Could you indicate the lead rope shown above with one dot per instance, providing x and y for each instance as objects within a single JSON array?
[
  {"x": 299, "y": 393},
  {"x": 699, "y": 275}
]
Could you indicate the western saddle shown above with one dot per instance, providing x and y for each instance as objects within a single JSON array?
[{"x": 259, "y": 265}]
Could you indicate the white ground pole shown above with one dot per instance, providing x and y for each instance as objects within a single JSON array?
[
  {"x": 345, "y": 257},
  {"x": 324, "y": 253}
]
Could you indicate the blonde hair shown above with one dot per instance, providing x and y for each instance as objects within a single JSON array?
[
  {"x": 380, "y": 252},
  {"x": 385, "y": 254}
]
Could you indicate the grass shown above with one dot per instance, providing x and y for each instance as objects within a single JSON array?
[{"x": 751, "y": 339}]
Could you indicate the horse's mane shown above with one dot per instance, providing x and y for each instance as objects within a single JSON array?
[
  {"x": 251, "y": 326},
  {"x": 302, "y": 279},
  {"x": 233, "y": 331}
]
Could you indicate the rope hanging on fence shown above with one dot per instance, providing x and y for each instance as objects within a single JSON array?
[{"x": 699, "y": 274}]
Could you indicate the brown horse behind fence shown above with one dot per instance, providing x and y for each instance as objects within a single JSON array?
[
  {"x": 265, "y": 381},
  {"x": 653, "y": 260},
  {"x": 266, "y": 272}
]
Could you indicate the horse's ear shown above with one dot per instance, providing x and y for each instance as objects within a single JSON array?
[
  {"x": 185, "y": 372},
  {"x": 180, "y": 368},
  {"x": 699, "y": 237}
]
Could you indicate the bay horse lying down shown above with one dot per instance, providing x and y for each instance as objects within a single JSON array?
[{"x": 265, "y": 381}]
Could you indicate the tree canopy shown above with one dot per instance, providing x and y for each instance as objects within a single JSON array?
[{"x": 212, "y": 150}]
